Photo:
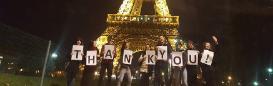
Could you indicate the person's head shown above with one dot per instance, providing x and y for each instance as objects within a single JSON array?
[
  {"x": 93, "y": 43},
  {"x": 179, "y": 46},
  {"x": 111, "y": 42},
  {"x": 207, "y": 45},
  {"x": 152, "y": 48},
  {"x": 162, "y": 39},
  {"x": 180, "y": 43},
  {"x": 190, "y": 44},
  {"x": 127, "y": 45},
  {"x": 148, "y": 47},
  {"x": 79, "y": 42}
]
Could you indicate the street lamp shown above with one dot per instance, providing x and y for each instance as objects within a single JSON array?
[
  {"x": 54, "y": 55},
  {"x": 1, "y": 57},
  {"x": 223, "y": 82},
  {"x": 21, "y": 70},
  {"x": 229, "y": 78},
  {"x": 255, "y": 83}
]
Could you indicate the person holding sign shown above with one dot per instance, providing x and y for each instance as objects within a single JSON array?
[
  {"x": 177, "y": 63},
  {"x": 125, "y": 61},
  {"x": 90, "y": 67},
  {"x": 145, "y": 69},
  {"x": 72, "y": 66},
  {"x": 207, "y": 61},
  {"x": 108, "y": 52},
  {"x": 77, "y": 51},
  {"x": 192, "y": 64},
  {"x": 161, "y": 67},
  {"x": 179, "y": 73},
  {"x": 184, "y": 72}
]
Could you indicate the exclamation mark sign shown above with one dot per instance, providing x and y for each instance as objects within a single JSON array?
[
  {"x": 77, "y": 53},
  {"x": 207, "y": 58}
]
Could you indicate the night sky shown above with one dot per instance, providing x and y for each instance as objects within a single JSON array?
[{"x": 244, "y": 27}]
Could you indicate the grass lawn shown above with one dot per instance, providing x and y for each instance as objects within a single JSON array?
[{"x": 19, "y": 80}]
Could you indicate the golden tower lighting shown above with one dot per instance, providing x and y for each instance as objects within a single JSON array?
[{"x": 128, "y": 24}]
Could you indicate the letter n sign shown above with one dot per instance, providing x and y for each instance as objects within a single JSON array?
[
  {"x": 91, "y": 57},
  {"x": 177, "y": 59},
  {"x": 127, "y": 57},
  {"x": 192, "y": 57}
]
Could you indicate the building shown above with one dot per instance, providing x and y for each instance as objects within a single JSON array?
[{"x": 21, "y": 52}]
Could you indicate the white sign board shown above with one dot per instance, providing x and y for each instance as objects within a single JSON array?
[
  {"x": 192, "y": 57},
  {"x": 77, "y": 51},
  {"x": 207, "y": 57},
  {"x": 91, "y": 57},
  {"x": 162, "y": 53},
  {"x": 127, "y": 57},
  {"x": 177, "y": 59},
  {"x": 108, "y": 52},
  {"x": 150, "y": 57}
]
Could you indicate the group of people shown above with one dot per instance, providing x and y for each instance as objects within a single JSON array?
[{"x": 160, "y": 74}]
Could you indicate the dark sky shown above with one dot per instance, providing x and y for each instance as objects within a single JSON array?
[{"x": 244, "y": 27}]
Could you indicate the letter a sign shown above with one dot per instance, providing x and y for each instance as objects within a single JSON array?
[
  {"x": 150, "y": 57},
  {"x": 127, "y": 57},
  {"x": 192, "y": 57},
  {"x": 162, "y": 53},
  {"x": 207, "y": 57},
  {"x": 108, "y": 52},
  {"x": 177, "y": 59},
  {"x": 91, "y": 57},
  {"x": 77, "y": 51}
]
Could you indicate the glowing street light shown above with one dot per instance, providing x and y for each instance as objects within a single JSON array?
[
  {"x": 1, "y": 57},
  {"x": 96, "y": 73},
  {"x": 223, "y": 82},
  {"x": 21, "y": 70},
  {"x": 54, "y": 55},
  {"x": 229, "y": 78},
  {"x": 255, "y": 83},
  {"x": 239, "y": 84}
]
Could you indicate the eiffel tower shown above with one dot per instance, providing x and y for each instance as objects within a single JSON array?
[{"x": 139, "y": 30}]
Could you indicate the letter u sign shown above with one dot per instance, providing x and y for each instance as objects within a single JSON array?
[{"x": 192, "y": 57}]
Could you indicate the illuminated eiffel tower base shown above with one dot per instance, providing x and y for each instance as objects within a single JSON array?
[{"x": 139, "y": 30}]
